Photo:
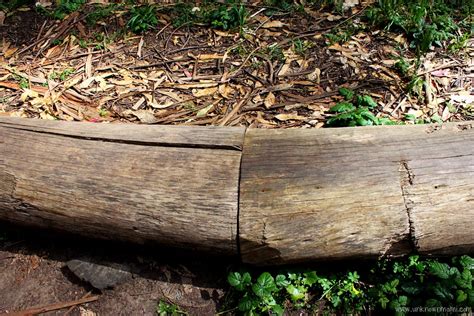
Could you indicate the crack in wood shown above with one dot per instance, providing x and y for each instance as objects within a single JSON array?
[
  {"x": 134, "y": 142},
  {"x": 407, "y": 178}
]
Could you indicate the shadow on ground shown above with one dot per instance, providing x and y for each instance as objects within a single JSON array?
[{"x": 33, "y": 272}]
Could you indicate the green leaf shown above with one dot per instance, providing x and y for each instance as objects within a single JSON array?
[
  {"x": 310, "y": 278},
  {"x": 442, "y": 292},
  {"x": 346, "y": 93},
  {"x": 383, "y": 302},
  {"x": 342, "y": 107},
  {"x": 265, "y": 285},
  {"x": 246, "y": 304},
  {"x": 464, "y": 280},
  {"x": 296, "y": 293},
  {"x": 439, "y": 269},
  {"x": 433, "y": 303},
  {"x": 403, "y": 300},
  {"x": 467, "y": 262},
  {"x": 461, "y": 296},
  {"x": 239, "y": 281},
  {"x": 367, "y": 101},
  {"x": 278, "y": 310},
  {"x": 410, "y": 288},
  {"x": 281, "y": 281}
]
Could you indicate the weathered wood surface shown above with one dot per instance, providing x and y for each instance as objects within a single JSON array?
[
  {"x": 177, "y": 186},
  {"x": 304, "y": 194},
  {"x": 356, "y": 192}
]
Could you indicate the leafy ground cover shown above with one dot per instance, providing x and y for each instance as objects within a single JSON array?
[{"x": 282, "y": 62}]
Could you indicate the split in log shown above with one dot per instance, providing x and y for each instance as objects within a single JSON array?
[{"x": 281, "y": 196}]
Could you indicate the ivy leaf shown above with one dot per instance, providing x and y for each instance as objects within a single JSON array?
[
  {"x": 346, "y": 93},
  {"x": 342, "y": 107}
]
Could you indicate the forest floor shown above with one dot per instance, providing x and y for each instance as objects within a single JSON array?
[{"x": 280, "y": 69}]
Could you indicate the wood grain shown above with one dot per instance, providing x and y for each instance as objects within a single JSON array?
[
  {"x": 356, "y": 192},
  {"x": 184, "y": 196}
]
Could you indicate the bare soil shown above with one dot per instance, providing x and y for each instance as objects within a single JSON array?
[{"x": 33, "y": 273}]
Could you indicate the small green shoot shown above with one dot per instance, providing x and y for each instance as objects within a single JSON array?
[
  {"x": 166, "y": 309},
  {"x": 356, "y": 110}
]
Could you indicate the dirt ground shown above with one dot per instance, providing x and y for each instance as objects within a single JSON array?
[{"x": 33, "y": 273}]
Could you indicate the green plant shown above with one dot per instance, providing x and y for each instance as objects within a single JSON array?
[
  {"x": 100, "y": 13},
  {"x": 414, "y": 120},
  {"x": 355, "y": 111},
  {"x": 62, "y": 8},
  {"x": 165, "y": 309},
  {"x": 13, "y": 4},
  {"x": 142, "y": 18},
  {"x": 23, "y": 82},
  {"x": 300, "y": 47},
  {"x": 426, "y": 22},
  {"x": 274, "y": 52},
  {"x": 63, "y": 75},
  {"x": 103, "y": 112},
  {"x": 228, "y": 18},
  {"x": 386, "y": 286}
]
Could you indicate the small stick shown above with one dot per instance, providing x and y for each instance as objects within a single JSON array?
[
  {"x": 52, "y": 307},
  {"x": 236, "y": 108}
]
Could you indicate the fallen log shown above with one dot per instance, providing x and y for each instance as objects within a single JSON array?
[
  {"x": 171, "y": 185},
  {"x": 271, "y": 196},
  {"x": 356, "y": 192}
]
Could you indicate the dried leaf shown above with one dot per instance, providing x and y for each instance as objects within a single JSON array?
[
  {"x": 291, "y": 116},
  {"x": 204, "y": 92},
  {"x": 271, "y": 24},
  {"x": 28, "y": 94},
  {"x": 203, "y": 112},
  {"x": 270, "y": 100},
  {"x": 315, "y": 75},
  {"x": 145, "y": 116}
]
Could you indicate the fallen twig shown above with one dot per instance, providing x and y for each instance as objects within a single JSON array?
[{"x": 53, "y": 307}]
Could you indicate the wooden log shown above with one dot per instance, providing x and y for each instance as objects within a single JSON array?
[
  {"x": 356, "y": 192},
  {"x": 172, "y": 185},
  {"x": 303, "y": 195}
]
